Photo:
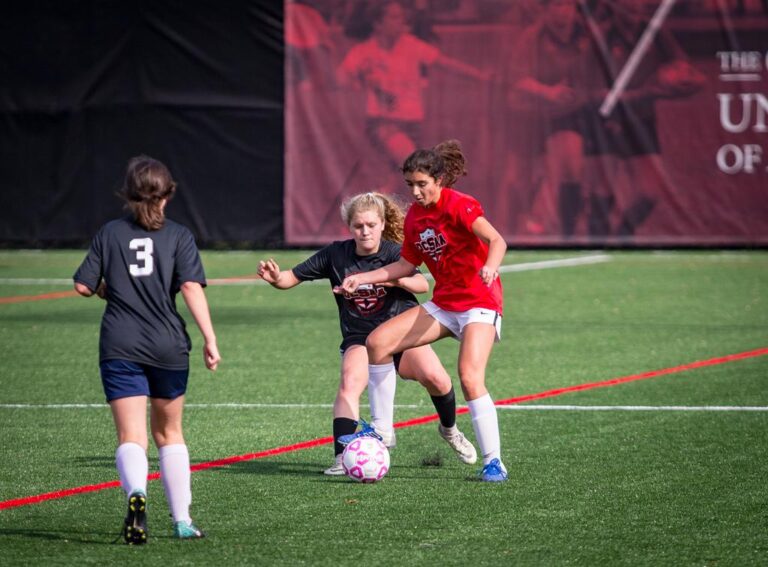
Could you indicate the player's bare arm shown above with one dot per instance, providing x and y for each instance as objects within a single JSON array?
[
  {"x": 497, "y": 247},
  {"x": 458, "y": 66},
  {"x": 270, "y": 272},
  {"x": 393, "y": 271},
  {"x": 83, "y": 289},
  {"x": 416, "y": 283},
  {"x": 194, "y": 297}
]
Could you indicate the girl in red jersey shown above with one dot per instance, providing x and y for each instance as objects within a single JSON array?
[{"x": 446, "y": 230}]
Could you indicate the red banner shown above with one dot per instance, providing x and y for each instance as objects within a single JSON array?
[{"x": 622, "y": 122}]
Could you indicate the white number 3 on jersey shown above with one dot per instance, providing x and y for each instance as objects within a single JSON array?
[{"x": 144, "y": 248}]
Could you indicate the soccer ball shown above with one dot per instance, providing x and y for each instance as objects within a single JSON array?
[{"x": 365, "y": 460}]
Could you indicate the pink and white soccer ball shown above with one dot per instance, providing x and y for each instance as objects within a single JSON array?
[{"x": 365, "y": 460}]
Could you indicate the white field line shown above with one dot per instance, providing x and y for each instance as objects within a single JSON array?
[
  {"x": 534, "y": 407},
  {"x": 193, "y": 406},
  {"x": 561, "y": 263},
  {"x": 524, "y": 267}
]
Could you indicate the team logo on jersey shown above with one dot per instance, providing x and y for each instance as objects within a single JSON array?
[
  {"x": 367, "y": 299},
  {"x": 431, "y": 244}
]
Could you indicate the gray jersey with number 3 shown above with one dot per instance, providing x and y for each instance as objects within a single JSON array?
[{"x": 143, "y": 271}]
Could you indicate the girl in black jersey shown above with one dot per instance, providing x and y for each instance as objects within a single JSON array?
[
  {"x": 376, "y": 224},
  {"x": 139, "y": 263}
]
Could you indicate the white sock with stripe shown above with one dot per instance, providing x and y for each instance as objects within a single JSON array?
[{"x": 177, "y": 480}]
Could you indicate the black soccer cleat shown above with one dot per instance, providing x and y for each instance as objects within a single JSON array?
[{"x": 135, "y": 529}]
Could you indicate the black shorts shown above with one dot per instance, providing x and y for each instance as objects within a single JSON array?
[
  {"x": 360, "y": 340},
  {"x": 628, "y": 132}
]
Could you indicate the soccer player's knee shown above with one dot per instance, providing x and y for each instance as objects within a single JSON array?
[
  {"x": 438, "y": 380},
  {"x": 471, "y": 378},
  {"x": 377, "y": 349}
]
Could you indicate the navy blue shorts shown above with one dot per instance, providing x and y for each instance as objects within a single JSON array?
[{"x": 122, "y": 379}]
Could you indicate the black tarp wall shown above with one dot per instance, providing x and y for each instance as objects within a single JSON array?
[{"x": 87, "y": 84}]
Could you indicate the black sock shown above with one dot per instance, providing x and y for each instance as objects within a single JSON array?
[
  {"x": 569, "y": 203},
  {"x": 640, "y": 210},
  {"x": 600, "y": 208},
  {"x": 342, "y": 426},
  {"x": 446, "y": 408}
]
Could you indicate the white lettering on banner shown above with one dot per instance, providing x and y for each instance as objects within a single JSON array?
[
  {"x": 734, "y": 159},
  {"x": 743, "y": 112},
  {"x": 740, "y": 61},
  {"x": 748, "y": 101}
]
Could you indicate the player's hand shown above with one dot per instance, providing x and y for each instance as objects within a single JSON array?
[
  {"x": 488, "y": 275},
  {"x": 269, "y": 271},
  {"x": 561, "y": 94},
  {"x": 101, "y": 290},
  {"x": 211, "y": 356},
  {"x": 349, "y": 285}
]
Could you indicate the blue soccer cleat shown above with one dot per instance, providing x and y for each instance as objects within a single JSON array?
[
  {"x": 366, "y": 430},
  {"x": 493, "y": 472},
  {"x": 184, "y": 530}
]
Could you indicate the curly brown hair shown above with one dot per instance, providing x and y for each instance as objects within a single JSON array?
[
  {"x": 388, "y": 209},
  {"x": 445, "y": 161}
]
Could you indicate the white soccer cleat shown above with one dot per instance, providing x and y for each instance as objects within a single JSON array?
[
  {"x": 464, "y": 450},
  {"x": 388, "y": 438},
  {"x": 337, "y": 469}
]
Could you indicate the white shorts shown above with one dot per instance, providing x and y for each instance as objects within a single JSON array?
[{"x": 455, "y": 321}]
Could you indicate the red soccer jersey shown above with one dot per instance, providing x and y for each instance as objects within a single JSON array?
[{"x": 441, "y": 237}]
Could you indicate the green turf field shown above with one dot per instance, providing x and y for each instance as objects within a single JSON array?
[{"x": 647, "y": 472}]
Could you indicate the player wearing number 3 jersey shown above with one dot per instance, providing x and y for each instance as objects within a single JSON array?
[{"x": 138, "y": 264}]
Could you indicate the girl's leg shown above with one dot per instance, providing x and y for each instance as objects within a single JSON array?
[
  {"x": 423, "y": 365},
  {"x": 410, "y": 329},
  {"x": 476, "y": 344},
  {"x": 166, "y": 421},
  {"x": 130, "y": 416},
  {"x": 565, "y": 166},
  {"x": 346, "y": 406}
]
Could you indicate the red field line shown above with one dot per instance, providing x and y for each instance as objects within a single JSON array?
[
  {"x": 51, "y": 295},
  {"x": 17, "y": 502},
  {"x": 73, "y": 293}
]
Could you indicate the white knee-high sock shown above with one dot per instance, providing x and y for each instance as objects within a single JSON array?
[
  {"x": 174, "y": 470},
  {"x": 132, "y": 466},
  {"x": 486, "y": 425},
  {"x": 382, "y": 382}
]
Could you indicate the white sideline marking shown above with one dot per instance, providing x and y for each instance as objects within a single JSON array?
[
  {"x": 35, "y": 281},
  {"x": 413, "y": 406},
  {"x": 561, "y": 263},
  {"x": 524, "y": 267},
  {"x": 634, "y": 408},
  {"x": 198, "y": 406}
]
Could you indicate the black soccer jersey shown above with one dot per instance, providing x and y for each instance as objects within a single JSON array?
[
  {"x": 360, "y": 312},
  {"x": 143, "y": 271}
]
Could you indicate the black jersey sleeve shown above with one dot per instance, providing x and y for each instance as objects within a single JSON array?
[
  {"x": 91, "y": 270},
  {"x": 188, "y": 266},
  {"x": 316, "y": 267}
]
